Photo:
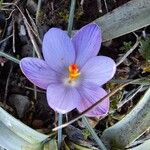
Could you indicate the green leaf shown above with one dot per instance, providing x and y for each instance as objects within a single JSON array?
[
  {"x": 131, "y": 126},
  {"x": 79, "y": 147},
  {"x": 144, "y": 146},
  {"x": 71, "y": 145},
  {"x": 14, "y": 135},
  {"x": 51, "y": 145},
  {"x": 125, "y": 19},
  {"x": 145, "y": 48}
]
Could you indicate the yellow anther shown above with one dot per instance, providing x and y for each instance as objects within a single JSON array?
[{"x": 73, "y": 71}]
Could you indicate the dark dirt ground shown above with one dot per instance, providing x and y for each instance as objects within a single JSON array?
[{"x": 35, "y": 112}]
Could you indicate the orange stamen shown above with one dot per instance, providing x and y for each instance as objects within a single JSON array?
[{"x": 73, "y": 71}]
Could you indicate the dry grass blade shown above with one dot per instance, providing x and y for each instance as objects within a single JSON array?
[
  {"x": 5, "y": 39},
  {"x": 94, "y": 105},
  {"x": 129, "y": 51},
  {"x": 35, "y": 46},
  {"x": 34, "y": 26}
]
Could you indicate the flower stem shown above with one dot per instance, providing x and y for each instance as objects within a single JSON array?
[
  {"x": 93, "y": 133},
  {"x": 70, "y": 24},
  {"x": 9, "y": 57},
  {"x": 60, "y": 116},
  {"x": 71, "y": 16}
]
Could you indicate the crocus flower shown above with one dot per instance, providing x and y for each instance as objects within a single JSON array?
[{"x": 71, "y": 72}]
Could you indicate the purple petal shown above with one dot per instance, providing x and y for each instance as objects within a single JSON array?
[
  {"x": 87, "y": 42},
  {"x": 90, "y": 94},
  {"x": 38, "y": 72},
  {"x": 62, "y": 99},
  {"x": 58, "y": 49},
  {"x": 98, "y": 70}
]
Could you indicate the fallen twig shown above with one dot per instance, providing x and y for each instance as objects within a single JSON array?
[{"x": 93, "y": 106}]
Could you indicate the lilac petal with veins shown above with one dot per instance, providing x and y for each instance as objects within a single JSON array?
[
  {"x": 38, "y": 72},
  {"x": 87, "y": 42},
  {"x": 90, "y": 94},
  {"x": 98, "y": 70},
  {"x": 58, "y": 49},
  {"x": 62, "y": 99}
]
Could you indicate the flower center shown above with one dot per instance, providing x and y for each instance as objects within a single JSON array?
[{"x": 73, "y": 72}]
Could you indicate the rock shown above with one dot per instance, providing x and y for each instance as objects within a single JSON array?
[{"x": 20, "y": 102}]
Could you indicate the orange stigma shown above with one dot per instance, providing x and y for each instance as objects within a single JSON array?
[{"x": 73, "y": 71}]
